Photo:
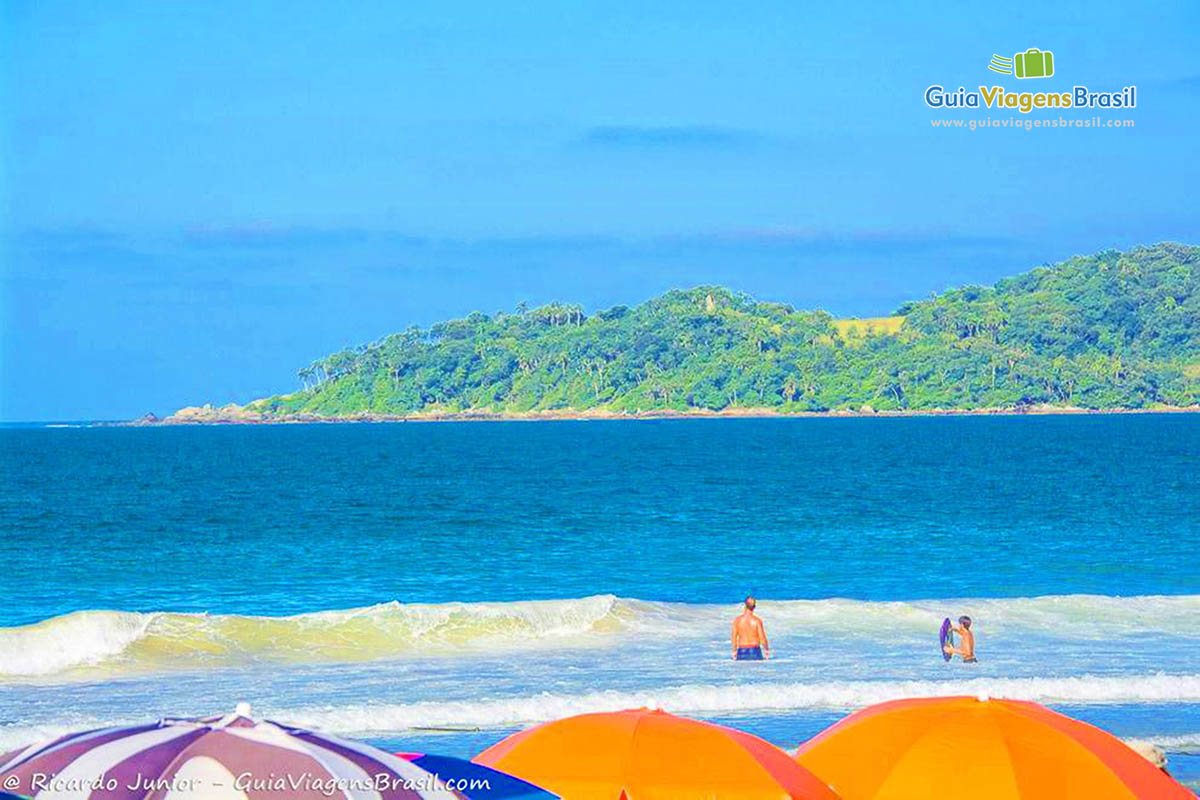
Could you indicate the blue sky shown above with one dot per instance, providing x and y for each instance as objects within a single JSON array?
[{"x": 197, "y": 199}]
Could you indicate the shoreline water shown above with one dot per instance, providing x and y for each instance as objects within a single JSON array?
[
  {"x": 226, "y": 415},
  {"x": 383, "y": 582}
]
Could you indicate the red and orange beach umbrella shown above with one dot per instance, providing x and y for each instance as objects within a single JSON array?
[
  {"x": 985, "y": 749},
  {"x": 651, "y": 755}
]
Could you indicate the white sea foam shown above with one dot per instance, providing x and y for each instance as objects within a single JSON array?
[
  {"x": 378, "y": 719},
  {"x": 122, "y": 641},
  {"x": 742, "y": 699},
  {"x": 17, "y": 736},
  {"x": 1178, "y": 743}
]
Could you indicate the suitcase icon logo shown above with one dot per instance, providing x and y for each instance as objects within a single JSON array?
[{"x": 1033, "y": 63}]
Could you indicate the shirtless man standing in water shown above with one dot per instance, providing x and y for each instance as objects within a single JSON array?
[
  {"x": 749, "y": 636},
  {"x": 967, "y": 648}
]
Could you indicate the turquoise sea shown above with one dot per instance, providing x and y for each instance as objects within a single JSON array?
[{"x": 393, "y": 581}]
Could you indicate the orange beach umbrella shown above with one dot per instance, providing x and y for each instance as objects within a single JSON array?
[
  {"x": 651, "y": 755},
  {"x": 979, "y": 748}
]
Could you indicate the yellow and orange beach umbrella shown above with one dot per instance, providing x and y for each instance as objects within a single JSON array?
[
  {"x": 984, "y": 749},
  {"x": 651, "y": 755}
]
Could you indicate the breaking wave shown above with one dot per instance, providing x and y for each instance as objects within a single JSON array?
[
  {"x": 93, "y": 638},
  {"x": 118, "y": 641}
]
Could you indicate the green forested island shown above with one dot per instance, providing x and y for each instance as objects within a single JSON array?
[{"x": 1109, "y": 331}]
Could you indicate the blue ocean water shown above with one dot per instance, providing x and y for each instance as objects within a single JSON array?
[{"x": 382, "y": 580}]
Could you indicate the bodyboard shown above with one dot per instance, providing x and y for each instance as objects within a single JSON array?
[{"x": 945, "y": 637}]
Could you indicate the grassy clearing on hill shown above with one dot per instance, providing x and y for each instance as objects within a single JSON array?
[{"x": 869, "y": 326}]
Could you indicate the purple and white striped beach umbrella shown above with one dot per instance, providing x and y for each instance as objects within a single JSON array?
[{"x": 233, "y": 757}]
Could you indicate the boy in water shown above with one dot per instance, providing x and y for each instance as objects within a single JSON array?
[
  {"x": 748, "y": 634},
  {"x": 966, "y": 647}
]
